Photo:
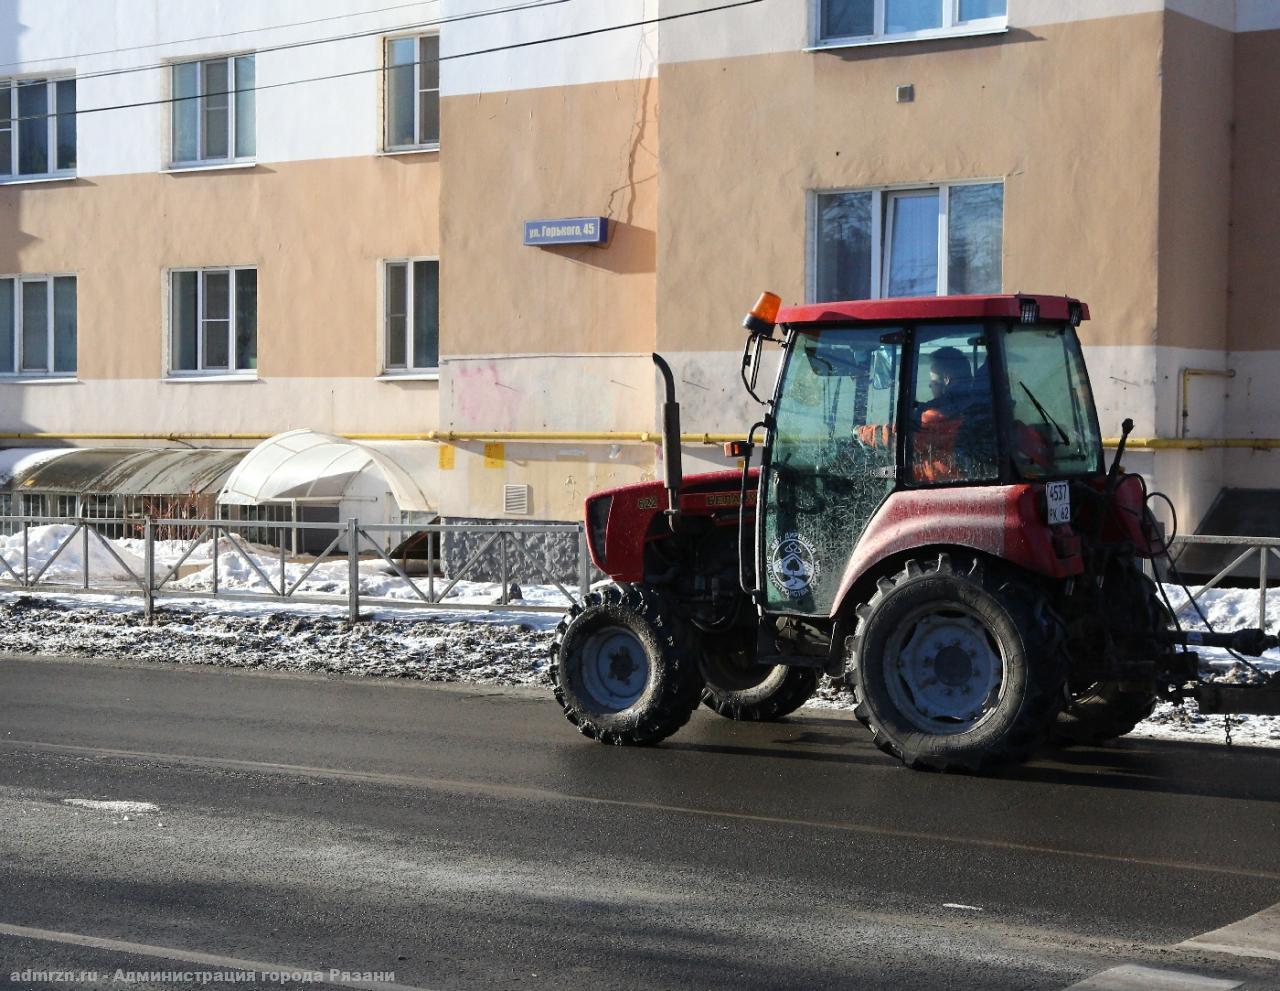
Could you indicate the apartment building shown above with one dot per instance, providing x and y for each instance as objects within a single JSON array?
[{"x": 441, "y": 239}]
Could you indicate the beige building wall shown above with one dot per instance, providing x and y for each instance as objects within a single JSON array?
[
  {"x": 1080, "y": 213},
  {"x": 553, "y": 339},
  {"x": 1194, "y": 202},
  {"x": 1253, "y": 408},
  {"x": 316, "y": 231}
]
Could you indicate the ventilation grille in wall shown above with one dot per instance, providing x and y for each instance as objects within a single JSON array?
[{"x": 515, "y": 499}]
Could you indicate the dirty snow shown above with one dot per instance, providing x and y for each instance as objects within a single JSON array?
[
  {"x": 105, "y": 806},
  {"x": 68, "y": 566}
]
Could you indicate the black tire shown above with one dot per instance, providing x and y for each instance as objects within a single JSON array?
[
  {"x": 625, "y": 704},
  {"x": 1103, "y": 710},
  {"x": 738, "y": 689},
  {"x": 1008, "y": 633}
]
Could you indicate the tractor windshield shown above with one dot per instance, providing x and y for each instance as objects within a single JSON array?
[{"x": 1054, "y": 425}]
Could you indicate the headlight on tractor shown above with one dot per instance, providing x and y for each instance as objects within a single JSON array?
[{"x": 597, "y": 520}]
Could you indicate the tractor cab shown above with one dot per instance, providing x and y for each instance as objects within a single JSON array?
[{"x": 923, "y": 396}]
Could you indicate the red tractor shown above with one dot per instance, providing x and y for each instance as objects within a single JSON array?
[{"x": 931, "y": 521}]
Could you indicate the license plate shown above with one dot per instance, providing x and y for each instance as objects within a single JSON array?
[{"x": 1058, "y": 495}]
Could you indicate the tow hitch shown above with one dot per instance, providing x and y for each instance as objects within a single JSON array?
[{"x": 1260, "y": 698}]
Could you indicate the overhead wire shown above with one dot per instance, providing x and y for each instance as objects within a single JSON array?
[
  {"x": 331, "y": 39},
  {"x": 511, "y": 46},
  {"x": 221, "y": 34}
]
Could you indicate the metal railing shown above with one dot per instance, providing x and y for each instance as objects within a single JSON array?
[
  {"x": 1263, "y": 547},
  {"x": 506, "y": 548}
]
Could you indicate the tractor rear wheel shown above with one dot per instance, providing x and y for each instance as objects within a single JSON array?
[
  {"x": 738, "y": 688},
  {"x": 1102, "y": 712},
  {"x": 624, "y": 668},
  {"x": 954, "y": 670}
]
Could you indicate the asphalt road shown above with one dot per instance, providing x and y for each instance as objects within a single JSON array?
[{"x": 469, "y": 838}]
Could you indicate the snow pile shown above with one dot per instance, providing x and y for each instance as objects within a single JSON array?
[
  {"x": 68, "y": 567},
  {"x": 377, "y": 580},
  {"x": 505, "y": 650},
  {"x": 169, "y": 552}
]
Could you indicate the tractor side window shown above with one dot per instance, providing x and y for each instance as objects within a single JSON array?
[{"x": 952, "y": 422}]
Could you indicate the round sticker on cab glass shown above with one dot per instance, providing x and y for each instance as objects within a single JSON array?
[{"x": 793, "y": 565}]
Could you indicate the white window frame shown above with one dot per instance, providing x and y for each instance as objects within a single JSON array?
[
  {"x": 177, "y": 164},
  {"x": 882, "y": 230},
  {"x": 952, "y": 27},
  {"x": 407, "y": 370},
  {"x": 418, "y": 144},
  {"x": 51, "y": 128},
  {"x": 231, "y": 371},
  {"x": 18, "y": 372}
]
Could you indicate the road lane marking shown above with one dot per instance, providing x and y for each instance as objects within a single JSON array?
[
  {"x": 189, "y": 956},
  {"x": 1255, "y": 936},
  {"x": 547, "y": 795},
  {"x": 1131, "y": 977},
  {"x": 963, "y": 908}
]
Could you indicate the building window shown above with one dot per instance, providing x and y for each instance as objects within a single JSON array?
[
  {"x": 870, "y": 20},
  {"x": 38, "y": 325},
  {"x": 213, "y": 111},
  {"x": 37, "y": 128},
  {"x": 412, "y": 315},
  {"x": 413, "y": 92},
  {"x": 213, "y": 322},
  {"x": 931, "y": 240}
]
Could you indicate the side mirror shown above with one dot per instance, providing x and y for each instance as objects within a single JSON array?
[
  {"x": 755, "y": 349},
  {"x": 760, "y": 323}
]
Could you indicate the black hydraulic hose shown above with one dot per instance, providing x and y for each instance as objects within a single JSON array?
[{"x": 1147, "y": 496}]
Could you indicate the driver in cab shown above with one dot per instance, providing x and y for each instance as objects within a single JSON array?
[
  {"x": 945, "y": 416},
  {"x": 949, "y": 427}
]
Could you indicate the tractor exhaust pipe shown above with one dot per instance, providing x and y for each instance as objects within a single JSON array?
[{"x": 672, "y": 471}]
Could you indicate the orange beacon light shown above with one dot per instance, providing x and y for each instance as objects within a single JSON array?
[{"x": 764, "y": 315}]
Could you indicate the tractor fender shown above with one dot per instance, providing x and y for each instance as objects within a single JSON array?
[{"x": 1002, "y": 522}]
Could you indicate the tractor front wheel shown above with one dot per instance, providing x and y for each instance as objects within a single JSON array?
[
  {"x": 738, "y": 688},
  {"x": 954, "y": 670},
  {"x": 624, "y": 667}
]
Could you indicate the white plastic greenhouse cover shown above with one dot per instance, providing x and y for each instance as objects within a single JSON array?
[{"x": 304, "y": 464}]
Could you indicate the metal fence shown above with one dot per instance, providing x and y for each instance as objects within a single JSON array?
[
  {"x": 1263, "y": 547},
  {"x": 507, "y": 548}
]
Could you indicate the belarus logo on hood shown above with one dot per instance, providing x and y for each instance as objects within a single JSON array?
[{"x": 793, "y": 565}]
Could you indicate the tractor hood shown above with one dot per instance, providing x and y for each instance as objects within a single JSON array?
[{"x": 620, "y": 521}]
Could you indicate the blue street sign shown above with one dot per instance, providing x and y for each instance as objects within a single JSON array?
[{"x": 567, "y": 230}]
